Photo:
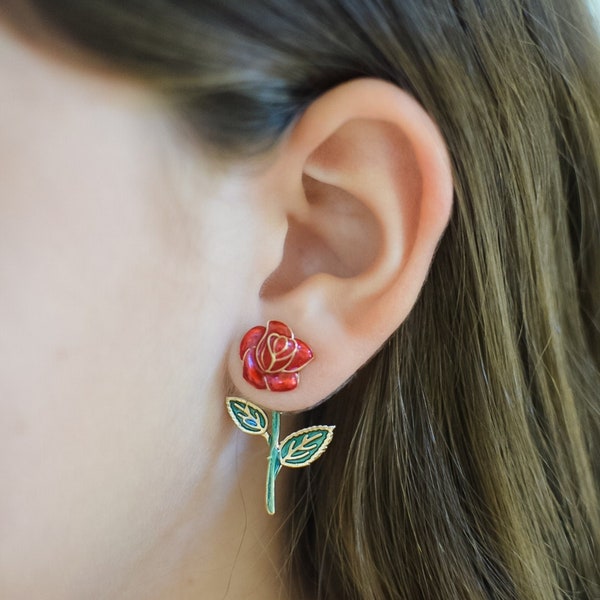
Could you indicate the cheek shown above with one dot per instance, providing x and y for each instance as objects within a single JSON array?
[
  {"x": 75, "y": 321},
  {"x": 117, "y": 304},
  {"x": 109, "y": 360},
  {"x": 109, "y": 369}
]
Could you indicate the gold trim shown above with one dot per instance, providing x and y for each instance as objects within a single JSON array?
[{"x": 319, "y": 452}]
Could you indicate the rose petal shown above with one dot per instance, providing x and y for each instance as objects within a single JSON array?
[
  {"x": 251, "y": 339},
  {"x": 282, "y": 351},
  {"x": 279, "y": 344},
  {"x": 251, "y": 372},
  {"x": 264, "y": 357},
  {"x": 303, "y": 356},
  {"x": 280, "y": 328},
  {"x": 282, "y": 382}
]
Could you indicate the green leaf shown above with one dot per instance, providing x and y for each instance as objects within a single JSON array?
[
  {"x": 306, "y": 445},
  {"x": 247, "y": 416}
]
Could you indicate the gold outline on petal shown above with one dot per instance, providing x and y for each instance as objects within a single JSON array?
[
  {"x": 261, "y": 374},
  {"x": 304, "y": 365},
  {"x": 273, "y": 357}
]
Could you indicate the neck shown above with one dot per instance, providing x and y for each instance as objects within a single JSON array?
[{"x": 224, "y": 545}]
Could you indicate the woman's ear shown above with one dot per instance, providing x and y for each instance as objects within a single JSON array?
[{"x": 363, "y": 188}]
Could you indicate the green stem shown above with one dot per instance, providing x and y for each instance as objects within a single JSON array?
[{"x": 274, "y": 464}]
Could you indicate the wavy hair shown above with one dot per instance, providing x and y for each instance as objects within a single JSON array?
[{"x": 466, "y": 459}]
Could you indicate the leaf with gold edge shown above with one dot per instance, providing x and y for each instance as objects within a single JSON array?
[
  {"x": 303, "y": 447},
  {"x": 247, "y": 416}
]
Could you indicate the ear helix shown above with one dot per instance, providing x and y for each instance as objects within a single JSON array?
[{"x": 272, "y": 359}]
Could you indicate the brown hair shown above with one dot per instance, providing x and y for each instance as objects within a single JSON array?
[{"x": 466, "y": 460}]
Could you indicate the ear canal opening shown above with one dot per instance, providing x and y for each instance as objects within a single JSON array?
[{"x": 339, "y": 236}]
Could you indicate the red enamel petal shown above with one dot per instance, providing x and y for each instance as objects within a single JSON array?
[
  {"x": 279, "y": 366},
  {"x": 251, "y": 372},
  {"x": 251, "y": 339},
  {"x": 282, "y": 382},
  {"x": 303, "y": 356},
  {"x": 263, "y": 357},
  {"x": 283, "y": 350},
  {"x": 282, "y": 345},
  {"x": 280, "y": 328}
]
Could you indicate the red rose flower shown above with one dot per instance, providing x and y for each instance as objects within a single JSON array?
[{"x": 273, "y": 356}]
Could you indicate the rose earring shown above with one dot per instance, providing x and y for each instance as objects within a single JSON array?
[{"x": 272, "y": 359}]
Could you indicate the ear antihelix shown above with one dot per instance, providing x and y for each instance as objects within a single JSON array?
[{"x": 272, "y": 358}]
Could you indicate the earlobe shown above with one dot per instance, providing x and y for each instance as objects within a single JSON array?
[{"x": 368, "y": 195}]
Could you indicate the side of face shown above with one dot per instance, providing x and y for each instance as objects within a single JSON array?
[
  {"x": 131, "y": 265},
  {"x": 111, "y": 330}
]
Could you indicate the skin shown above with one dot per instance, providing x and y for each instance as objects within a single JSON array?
[
  {"x": 112, "y": 426},
  {"x": 131, "y": 264}
]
